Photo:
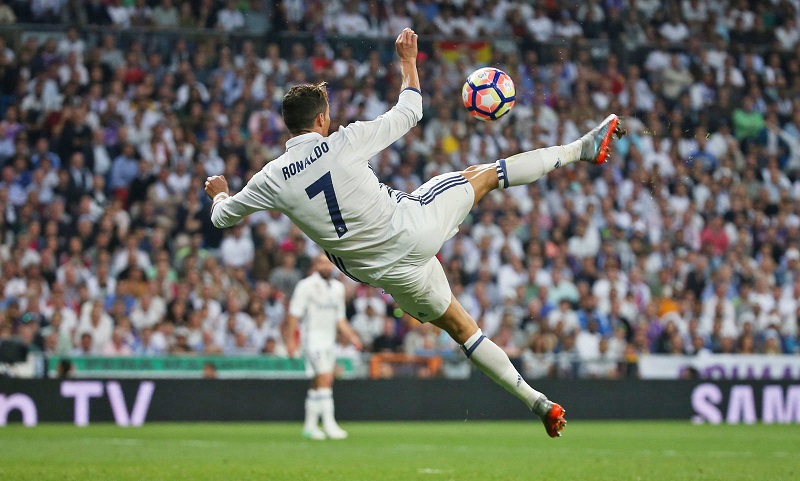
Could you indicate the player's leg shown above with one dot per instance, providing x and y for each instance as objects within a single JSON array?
[
  {"x": 423, "y": 292},
  {"x": 315, "y": 404},
  {"x": 494, "y": 362},
  {"x": 527, "y": 167},
  {"x": 520, "y": 169},
  {"x": 323, "y": 383},
  {"x": 313, "y": 412}
]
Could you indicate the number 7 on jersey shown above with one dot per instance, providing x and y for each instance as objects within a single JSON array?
[{"x": 325, "y": 184}]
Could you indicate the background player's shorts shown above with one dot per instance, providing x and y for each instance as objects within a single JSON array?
[
  {"x": 433, "y": 212},
  {"x": 320, "y": 361}
]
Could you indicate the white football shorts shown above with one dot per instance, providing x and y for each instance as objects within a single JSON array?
[
  {"x": 320, "y": 361},
  {"x": 433, "y": 212}
]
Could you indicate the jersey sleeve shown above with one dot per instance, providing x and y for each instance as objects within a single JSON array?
[
  {"x": 369, "y": 138},
  {"x": 299, "y": 302},
  {"x": 254, "y": 197}
]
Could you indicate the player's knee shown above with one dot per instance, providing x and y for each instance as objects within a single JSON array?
[
  {"x": 456, "y": 322},
  {"x": 483, "y": 179},
  {"x": 323, "y": 380}
]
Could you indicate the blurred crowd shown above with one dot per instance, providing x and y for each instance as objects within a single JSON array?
[{"x": 687, "y": 242}]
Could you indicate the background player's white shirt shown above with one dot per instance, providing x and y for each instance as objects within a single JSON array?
[
  {"x": 326, "y": 187},
  {"x": 319, "y": 304}
]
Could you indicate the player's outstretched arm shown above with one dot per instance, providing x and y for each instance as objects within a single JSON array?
[
  {"x": 227, "y": 210},
  {"x": 369, "y": 138},
  {"x": 406, "y": 46}
]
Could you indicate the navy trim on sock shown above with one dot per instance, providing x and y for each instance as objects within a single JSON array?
[
  {"x": 412, "y": 88},
  {"x": 469, "y": 351},
  {"x": 502, "y": 173}
]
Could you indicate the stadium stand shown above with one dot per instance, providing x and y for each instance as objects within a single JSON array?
[{"x": 687, "y": 242}]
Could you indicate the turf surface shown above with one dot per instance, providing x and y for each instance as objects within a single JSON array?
[{"x": 474, "y": 451}]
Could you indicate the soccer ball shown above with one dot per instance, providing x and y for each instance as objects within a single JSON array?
[{"x": 488, "y": 93}]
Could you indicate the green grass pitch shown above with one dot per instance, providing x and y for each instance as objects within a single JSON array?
[{"x": 470, "y": 450}]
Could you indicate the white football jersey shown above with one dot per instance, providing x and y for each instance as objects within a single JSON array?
[
  {"x": 327, "y": 187},
  {"x": 320, "y": 305}
]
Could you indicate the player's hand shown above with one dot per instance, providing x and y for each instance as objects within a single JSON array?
[
  {"x": 406, "y": 45},
  {"x": 216, "y": 184}
]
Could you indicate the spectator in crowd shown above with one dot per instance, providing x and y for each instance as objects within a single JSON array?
[
  {"x": 7, "y": 15},
  {"x": 368, "y": 324},
  {"x": 388, "y": 340},
  {"x": 117, "y": 345},
  {"x": 120, "y": 14},
  {"x": 230, "y": 18},
  {"x": 690, "y": 232},
  {"x": 165, "y": 14}
]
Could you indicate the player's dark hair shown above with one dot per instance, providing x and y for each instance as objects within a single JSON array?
[{"x": 302, "y": 104}]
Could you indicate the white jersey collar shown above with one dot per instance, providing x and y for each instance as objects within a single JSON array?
[{"x": 301, "y": 139}]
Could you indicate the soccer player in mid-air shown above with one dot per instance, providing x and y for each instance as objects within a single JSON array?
[
  {"x": 317, "y": 307},
  {"x": 384, "y": 237}
]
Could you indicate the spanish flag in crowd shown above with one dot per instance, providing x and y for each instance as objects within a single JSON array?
[{"x": 452, "y": 50}]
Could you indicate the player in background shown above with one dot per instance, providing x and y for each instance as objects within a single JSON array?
[
  {"x": 317, "y": 307},
  {"x": 384, "y": 237}
]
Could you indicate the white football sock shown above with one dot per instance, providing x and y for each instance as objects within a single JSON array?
[
  {"x": 494, "y": 362},
  {"x": 312, "y": 411},
  {"x": 527, "y": 167},
  {"x": 327, "y": 408}
]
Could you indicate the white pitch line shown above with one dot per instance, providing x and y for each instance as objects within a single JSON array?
[{"x": 433, "y": 471}]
